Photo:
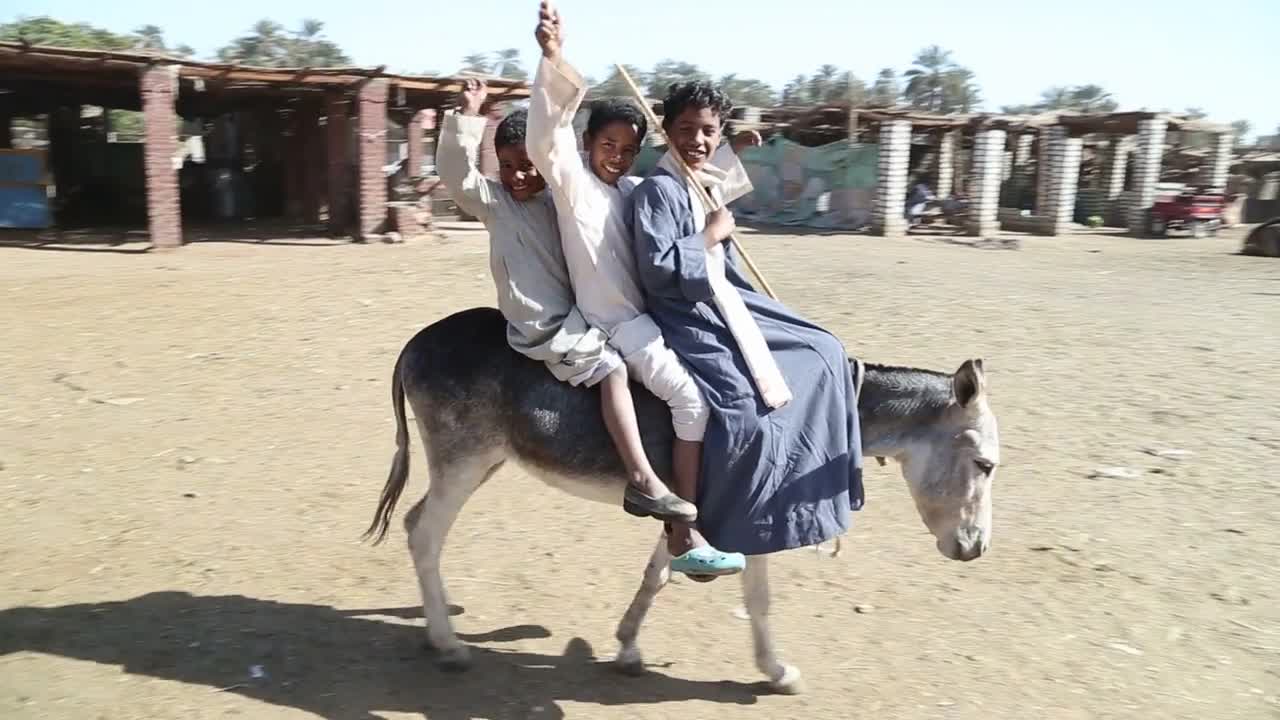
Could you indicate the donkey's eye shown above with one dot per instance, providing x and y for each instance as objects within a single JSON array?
[{"x": 986, "y": 466}]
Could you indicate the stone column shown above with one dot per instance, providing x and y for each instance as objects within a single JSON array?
[
  {"x": 1150, "y": 154},
  {"x": 946, "y": 163},
  {"x": 1218, "y": 164},
  {"x": 1063, "y": 180},
  {"x": 413, "y": 133},
  {"x": 988, "y": 170},
  {"x": 337, "y": 131},
  {"x": 159, "y": 88},
  {"x": 1117, "y": 163},
  {"x": 372, "y": 123},
  {"x": 889, "y": 213}
]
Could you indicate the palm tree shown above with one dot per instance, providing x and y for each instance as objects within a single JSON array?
[
  {"x": 477, "y": 63},
  {"x": 848, "y": 89},
  {"x": 1055, "y": 98},
  {"x": 1092, "y": 98},
  {"x": 796, "y": 92},
  {"x": 959, "y": 91},
  {"x": 1240, "y": 129},
  {"x": 821, "y": 82},
  {"x": 925, "y": 80},
  {"x": 745, "y": 91},
  {"x": 507, "y": 65},
  {"x": 885, "y": 90},
  {"x": 150, "y": 37},
  {"x": 616, "y": 86}
]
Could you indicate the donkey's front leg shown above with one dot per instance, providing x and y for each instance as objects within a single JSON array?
[
  {"x": 656, "y": 575},
  {"x": 783, "y": 678}
]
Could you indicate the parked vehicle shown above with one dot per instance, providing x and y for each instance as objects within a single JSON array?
[{"x": 1195, "y": 210}]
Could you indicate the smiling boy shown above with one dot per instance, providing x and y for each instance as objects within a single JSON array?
[{"x": 591, "y": 200}]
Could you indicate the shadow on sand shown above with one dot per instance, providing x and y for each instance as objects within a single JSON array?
[{"x": 337, "y": 663}]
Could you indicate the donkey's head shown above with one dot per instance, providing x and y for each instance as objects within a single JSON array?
[{"x": 941, "y": 429}]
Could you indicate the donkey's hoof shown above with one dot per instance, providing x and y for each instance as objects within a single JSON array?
[
  {"x": 629, "y": 662},
  {"x": 790, "y": 683},
  {"x": 454, "y": 659}
]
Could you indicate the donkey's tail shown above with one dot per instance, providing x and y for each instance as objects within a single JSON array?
[{"x": 399, "y": 464}]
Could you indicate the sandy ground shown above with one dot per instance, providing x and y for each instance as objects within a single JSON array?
[{"x": 192, "y": 442}]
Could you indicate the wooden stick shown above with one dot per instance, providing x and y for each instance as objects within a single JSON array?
[{"x": 693, "y": 179}]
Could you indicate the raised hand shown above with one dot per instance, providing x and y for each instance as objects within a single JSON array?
[
  {"x": 550, "y": 33},
  {"x": 745, "y": 139},
  {"x": 474, "y": 92}
]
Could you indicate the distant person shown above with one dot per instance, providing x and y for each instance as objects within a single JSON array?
[{"x": 917, "y": 200}]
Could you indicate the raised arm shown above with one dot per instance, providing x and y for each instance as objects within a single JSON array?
[
  {"x": 457, "y": 157},
  {"x": 558, "y": 91}
]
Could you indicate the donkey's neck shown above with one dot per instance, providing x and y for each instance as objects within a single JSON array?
[{"x": 897, "y": 404}]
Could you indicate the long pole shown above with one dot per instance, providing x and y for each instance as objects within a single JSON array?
[{"x": 693, "y": 180}]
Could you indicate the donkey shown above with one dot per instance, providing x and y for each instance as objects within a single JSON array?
[{"x": 479, "y": 405}]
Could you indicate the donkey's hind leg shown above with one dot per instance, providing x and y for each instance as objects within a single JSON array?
[
  {"x": 656, "y": 575},
  {"x": 453, "y": 480}
]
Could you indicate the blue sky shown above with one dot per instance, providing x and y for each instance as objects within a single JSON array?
[{"x": 1167, "y": 54}]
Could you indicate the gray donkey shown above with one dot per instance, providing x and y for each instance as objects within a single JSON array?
[{"x": 480, "y": 405}]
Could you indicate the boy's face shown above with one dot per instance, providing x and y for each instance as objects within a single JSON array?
[
  {"x": 695, "y": 134},
  {"x": 612, "y": 150},
  {"x": 517, "y": 174}
]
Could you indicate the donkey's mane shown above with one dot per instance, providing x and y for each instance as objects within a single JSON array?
[{"x": 891, "y": 393}]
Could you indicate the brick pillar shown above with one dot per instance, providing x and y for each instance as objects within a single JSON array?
[
  {"x": 889, "y": 213},
  {"x": 1063, "y": 181},
  {"x": 1117, "y": 163},
  {"x": 337, "y": 131},
  {"x": 988, "y": 170},
  {"x": 1022, "y": 148},
  {"x": 159, "y": 88},
  {"x": 372, "y": 122},
  {"x": 1217, "y": 165},
  {"x": 1150, "y": 153},
  {"x": 413, "y": 133},
  {"x": 946, "y": 163}
]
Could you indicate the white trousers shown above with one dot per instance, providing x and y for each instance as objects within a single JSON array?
[{"x": 659, "y": 369}]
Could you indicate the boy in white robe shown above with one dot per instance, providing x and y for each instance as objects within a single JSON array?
[
  {"x": 591, "y": 197},
  {"x": 534, "y": 293}
]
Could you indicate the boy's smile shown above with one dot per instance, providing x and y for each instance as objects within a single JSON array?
[
  {"x": 517, "y": 173},
  {"x": 695, "y": 134},
  {"x": 612, "y": 151}
]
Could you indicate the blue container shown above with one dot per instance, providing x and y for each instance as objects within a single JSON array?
[{"x": 24, "y": 207}]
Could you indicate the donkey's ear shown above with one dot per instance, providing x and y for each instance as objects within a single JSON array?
[{"x": 969, "y": 383}]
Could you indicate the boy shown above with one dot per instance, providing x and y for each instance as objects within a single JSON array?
[
  {"x": 591, "y": 200},
  {"x": 533, "y": 288},
  {"x": 788, "y": 460}
]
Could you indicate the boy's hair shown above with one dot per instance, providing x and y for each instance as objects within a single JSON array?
[
  {"x": 607, "y": 111},
  {"x": 511, "y": 130},
  {"x": 696, "y": 94}
]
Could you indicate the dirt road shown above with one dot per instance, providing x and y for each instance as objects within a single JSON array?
[{"x": 192, "y": 442}]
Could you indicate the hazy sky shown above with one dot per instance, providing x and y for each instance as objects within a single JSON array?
[{"x": 1168, "y": 54}]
